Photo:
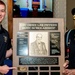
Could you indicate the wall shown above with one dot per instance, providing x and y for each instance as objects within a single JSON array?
[
  {"x": 5, "y": 21},
  {"x": 60, "y": 9},
  {"x": 69, "y": 17}
]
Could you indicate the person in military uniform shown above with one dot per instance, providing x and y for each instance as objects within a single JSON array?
[
  {"x": 5, "y": 42},
  {"x": 69, "y": 65}
]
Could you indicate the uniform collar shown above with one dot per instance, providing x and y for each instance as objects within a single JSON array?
[{"x": 1, "y": 29}]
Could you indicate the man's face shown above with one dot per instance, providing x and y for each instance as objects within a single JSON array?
[
  {"x": 39, "y": 38},
  {"x": 2, "y": 12}
]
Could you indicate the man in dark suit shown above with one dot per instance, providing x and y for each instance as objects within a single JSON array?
[{"x": 38, "y": 47}]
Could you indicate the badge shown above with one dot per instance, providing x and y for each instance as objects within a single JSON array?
[{"x": 5, "y": 38}]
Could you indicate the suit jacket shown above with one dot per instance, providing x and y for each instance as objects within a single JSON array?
[{"x": 38, "y": 49}]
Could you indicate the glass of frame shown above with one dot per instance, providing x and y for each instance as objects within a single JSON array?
[{"x": 32, "y": 8}]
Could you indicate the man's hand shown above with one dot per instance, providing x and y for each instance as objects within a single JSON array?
[
  {"x": 5, "y": 69},
  {"x": 69, "y": 72},
  {"x": 65, "y": 65}
]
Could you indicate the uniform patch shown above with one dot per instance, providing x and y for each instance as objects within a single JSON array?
[{"x": 5, "y": 38}]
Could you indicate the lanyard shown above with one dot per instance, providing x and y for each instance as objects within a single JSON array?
[{"x": 67, "y": 38}]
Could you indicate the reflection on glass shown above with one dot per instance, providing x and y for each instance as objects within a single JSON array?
[
  {"x": 32, "y": 8},
  {"x": 22, "y": 46}
]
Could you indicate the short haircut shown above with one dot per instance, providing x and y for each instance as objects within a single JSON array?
[
  {"x": 2, "y": 3},
  {"x": 39, "y": 35}
]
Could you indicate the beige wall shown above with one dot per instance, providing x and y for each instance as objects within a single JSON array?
[
  {"x": 60, "y": 9},
  {"x": 5, "y": 21}
]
